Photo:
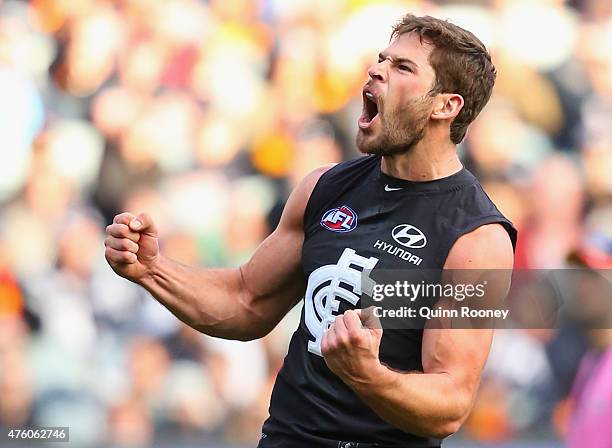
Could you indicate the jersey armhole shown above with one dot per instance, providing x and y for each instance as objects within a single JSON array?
[
  {"x": 491, "y": 219},
  {"x": 308, "y": 211}
]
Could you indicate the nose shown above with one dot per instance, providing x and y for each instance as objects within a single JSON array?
[{"x": 377, "y": 72}]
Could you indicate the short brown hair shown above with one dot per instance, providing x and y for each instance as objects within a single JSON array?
[{"x": 461, "y": 64}]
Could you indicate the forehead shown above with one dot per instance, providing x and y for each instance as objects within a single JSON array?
[{"x": 409, "y": 46}]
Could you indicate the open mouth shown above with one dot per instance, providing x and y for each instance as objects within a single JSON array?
[{"x": 370, "y": 110}]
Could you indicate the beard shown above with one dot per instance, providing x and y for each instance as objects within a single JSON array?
[{"x": 400, "y": 131}]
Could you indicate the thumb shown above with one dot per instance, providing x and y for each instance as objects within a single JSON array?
[
  {"x": 369, "y": 319},
  {"x": 143, "y": 223}
]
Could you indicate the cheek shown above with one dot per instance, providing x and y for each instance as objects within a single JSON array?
[
  {"x": 395, "y": 105},
  {"x": 405, "y": 92}
]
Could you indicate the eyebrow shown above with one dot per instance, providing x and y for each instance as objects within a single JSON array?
[{"x": 398, "y": 60}]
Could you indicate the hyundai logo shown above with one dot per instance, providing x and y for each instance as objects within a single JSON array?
[{"x": 409, "y": 236}]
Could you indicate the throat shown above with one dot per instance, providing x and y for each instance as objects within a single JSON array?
[{"x": 415, "y": 167}]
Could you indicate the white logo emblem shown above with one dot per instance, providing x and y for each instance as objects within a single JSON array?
[
  {"x": 409, "y": 236},
  {"x": 388, "y": 188},
  {"x": 324, "y": 290}
]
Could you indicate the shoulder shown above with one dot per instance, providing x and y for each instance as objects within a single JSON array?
[
  {"x": 306, "y": 186},
  {"x": 293, "y": 213},
  {"x": 476, "y": 219},
  {"x": 487, "y": 247},
  {"x": 352, "y": 167}
]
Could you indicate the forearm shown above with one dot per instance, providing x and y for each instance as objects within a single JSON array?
[
  {"x": 211, "y": 301},
  {"x": 426, "y": 404}
]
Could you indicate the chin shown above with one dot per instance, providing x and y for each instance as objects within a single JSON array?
[
  {"x": 382, "y": 145},
  {"x": 370, "y": 143},
  {"x": 366, "y": 144}
]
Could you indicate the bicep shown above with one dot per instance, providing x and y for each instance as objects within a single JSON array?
[
  {"x": 273, "y": 278},
  {"x": 460, "y": 352},
  {"x": 457, "y": 357}
]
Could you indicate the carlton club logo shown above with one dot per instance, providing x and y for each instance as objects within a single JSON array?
[
  {"x": 327, "y": 286},
  {"x": 339, "y": 219},
  {"x": 409, "y": 236}
]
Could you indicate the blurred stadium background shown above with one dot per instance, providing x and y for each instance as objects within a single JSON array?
[{"x": 205, "y": 114}]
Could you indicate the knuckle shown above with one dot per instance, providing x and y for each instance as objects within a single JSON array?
[
  {"x": 121, "y": 217},
  {"x": 326, "y": 349},
  {"x": 125, "y": 232},
  {"x": 122, "y": 230},
  {"x": 114, "y": 230},
  {"x": 109, "y": 242},
  {"x": 332, "y": 344},
  {"x": 123, "y": 257},
  {"x": 118, "y": 256},
  {"x": 109, "y": 253}
]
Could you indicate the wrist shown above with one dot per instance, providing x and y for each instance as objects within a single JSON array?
[
  {"x": 376, "y": 377},
  {"x": 153, "y": 271}
]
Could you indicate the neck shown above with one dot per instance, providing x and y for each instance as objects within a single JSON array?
[{"x": 423, "y": 162}]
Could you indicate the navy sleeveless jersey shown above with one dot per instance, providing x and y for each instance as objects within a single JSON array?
[{"x": 356, "y": 218}]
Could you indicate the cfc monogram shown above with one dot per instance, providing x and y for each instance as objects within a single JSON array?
[{"x": 324, "y": 292}]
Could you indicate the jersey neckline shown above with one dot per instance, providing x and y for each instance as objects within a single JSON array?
[{"x": 394, "y": 184}]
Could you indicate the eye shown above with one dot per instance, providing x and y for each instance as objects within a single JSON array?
[{"x": 405, "y": 68}]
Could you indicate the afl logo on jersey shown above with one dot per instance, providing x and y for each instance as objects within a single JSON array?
[
  {"x": 340, "y": 219},
  {"x": 409, "y": 236}
]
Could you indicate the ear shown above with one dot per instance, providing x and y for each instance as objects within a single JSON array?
[{"x": 447, "y": 106}]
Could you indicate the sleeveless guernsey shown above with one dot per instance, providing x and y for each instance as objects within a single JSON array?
[{"x": 359, "y": 218}]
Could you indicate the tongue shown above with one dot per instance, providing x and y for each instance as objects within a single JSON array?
[{"x": 365, "y": 121}]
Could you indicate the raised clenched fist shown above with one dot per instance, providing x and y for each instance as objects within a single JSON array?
[{"x": 131, "y": 245}]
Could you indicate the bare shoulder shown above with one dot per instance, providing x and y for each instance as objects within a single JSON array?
[
  {"x": 311, "y": 179},
  {"x": 487, "y": 247},
  {"x": 293, "y": 214}
]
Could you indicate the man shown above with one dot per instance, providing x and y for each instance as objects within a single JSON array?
[{"x": 346, "y": 383}]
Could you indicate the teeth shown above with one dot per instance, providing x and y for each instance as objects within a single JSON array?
[{"x": 370, "y": 96}]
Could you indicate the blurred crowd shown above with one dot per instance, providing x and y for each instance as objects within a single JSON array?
[{"x": 205, "y": 114}]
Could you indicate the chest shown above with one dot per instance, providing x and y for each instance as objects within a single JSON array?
[{"x": 406, "y": 234}]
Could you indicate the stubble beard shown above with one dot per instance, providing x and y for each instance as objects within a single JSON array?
[{"x": 400, "y": 132}]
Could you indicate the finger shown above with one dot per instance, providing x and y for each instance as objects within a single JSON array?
[
  {"x": 353, "y": 324},
  {"x": 341, "y": 332},
  {"x": 368, "y": 318},
  {"x": 324, "y": 344},
  {"x": 120, "y": 256},
  {"x": 331, "y": 338},
  {"x": 143, "y": 223},
  {"x": 122, "y": 231},
  {"x": 122, "y": 244},
  {"x": 123, "y": 218}
]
